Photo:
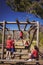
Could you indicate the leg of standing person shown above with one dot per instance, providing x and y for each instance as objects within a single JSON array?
[{"x": 7, "y": 52}]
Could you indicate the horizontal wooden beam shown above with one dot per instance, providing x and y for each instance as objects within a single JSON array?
[
  {"x": 13, "y": 30},
  {"x": 1, "y": 22},
  {"x": 22, "y": 60},
  {"x": 20, "y": 53},
  {"x": 19, "y": 22}
]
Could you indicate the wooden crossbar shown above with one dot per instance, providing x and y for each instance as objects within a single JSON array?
[
  {"x": 23, "y": 62},
  {"x": 15, "y": 60},
  {"x": 19, "y": 22},
  {"x": 20, "y": 60},
  {"x": 20, "y": 53},
  {"x": 1, "y": 22}
]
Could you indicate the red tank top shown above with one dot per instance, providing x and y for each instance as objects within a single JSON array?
[
  {"x": 21, "y": 34},
  {"x": 8, "y": 43},
  {"x": 35, "y": 53},
  {"x": 12, "y": 46}
]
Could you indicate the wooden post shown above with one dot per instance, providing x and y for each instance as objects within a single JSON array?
[
  {"x": 13, "y": 34},
  {"x": 3, "y": 39},
  {"x": 37, "y": 33},
  {"x": 29, "y": 35}
]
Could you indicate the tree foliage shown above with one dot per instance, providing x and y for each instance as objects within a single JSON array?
[{"x": 31, "y": 6}]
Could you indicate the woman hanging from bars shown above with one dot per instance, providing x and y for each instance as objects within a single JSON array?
[{"x": 21, "y": 36}]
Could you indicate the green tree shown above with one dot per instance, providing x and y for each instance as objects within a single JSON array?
[{"x": 31, "y": 6}]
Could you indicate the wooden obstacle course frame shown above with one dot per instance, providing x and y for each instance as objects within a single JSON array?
[{"x": 18, "y": 23}]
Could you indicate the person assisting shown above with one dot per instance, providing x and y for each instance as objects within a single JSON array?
[
  {"x": 34, "y": 54},
  {"x": 8, "y": 47},
  {"x": 13, "y": 48}
]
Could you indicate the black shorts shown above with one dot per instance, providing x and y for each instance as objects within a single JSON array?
[
  {"x": 26, "y": 47},
  {"x": 12, "y": 49},
  {"x": 33, "y": 57},
  {"x": 8, "y": 49},
  {"x": 21, "y": 37}
]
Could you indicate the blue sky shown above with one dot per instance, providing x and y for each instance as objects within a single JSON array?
[{"x": 7, "y": 14}]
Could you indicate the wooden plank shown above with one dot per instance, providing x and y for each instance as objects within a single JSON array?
[
  {"x": 19, "y": 47},
  {"x": 21, "y": 60},
  {"x": 20, "y": 22},
  {"x": 20, "y": 53},
  {"x": 1, "y": 22},
  {"x": 12, "y": 60}
]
